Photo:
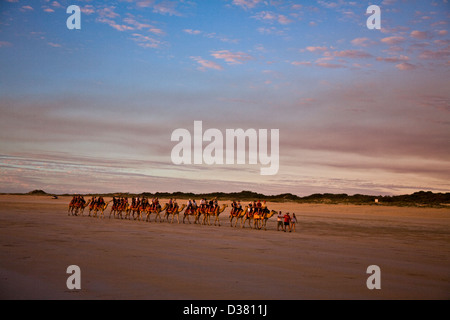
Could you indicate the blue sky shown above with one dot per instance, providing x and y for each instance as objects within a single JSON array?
[{"x": 92, "y": 110}]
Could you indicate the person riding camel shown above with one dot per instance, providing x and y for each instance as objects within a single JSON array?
[
  {"x": 233, "y": 208},
  {"x": 250, "y": 209},
  {"x": 258, "y": 207},
  {"x": 202, "y": 204},
  {"x": 264, "y": 208},
  {"x": 211, "y": 205},
  {"x": 239, "y": 208}
]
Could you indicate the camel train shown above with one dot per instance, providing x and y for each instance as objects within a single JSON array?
[{"x": 254, "y": 215}]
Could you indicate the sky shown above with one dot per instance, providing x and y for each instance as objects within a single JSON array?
[{"x": 92, "y": 110}]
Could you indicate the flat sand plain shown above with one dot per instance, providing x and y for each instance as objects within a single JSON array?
[{"x": 326, "y": 258}]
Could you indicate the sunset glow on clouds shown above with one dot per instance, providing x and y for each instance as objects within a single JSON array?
[{"x": 92, "y": 110}]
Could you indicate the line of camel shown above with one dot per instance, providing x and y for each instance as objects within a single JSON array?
[{"x": 201, "y": 215}]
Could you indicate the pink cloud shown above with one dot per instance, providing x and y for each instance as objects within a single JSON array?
[
  {"x": 166, "y": 8},
  {"x": 362, "y": 42},
  {"x": 108, "y": 12},
  {"x": 443, "y": 53},
  {"x": 193, "y": 32},
  {"x": 329, "y": 65},
  {"x": 88, "y": 9},
  {"x": 5, "y": 44},
  {"x": 146, "y": 41},
  {"x": 54, "y": 45},
  {"x": 358, "y": 54},
  {"x": 421, "y": 35},
  {"x": 301, "y": 63},
  {"x": 113, "y": 24},
  {"x": 405, "y": 66},
  {"x": 394, "y": 59},
  {"x": 27, "y": 8},
  {"x": 328, "y": 5},
  {"x": 314, "y": 49},
  {"x": 271, "y": 16},
  {"x": 246, "y": 4},
  {"x": 393, "y": 40},
  {"x": 232, "y": 57},
  {"x": 56, "y": 4},
  {"x": 206, "y": 64}
]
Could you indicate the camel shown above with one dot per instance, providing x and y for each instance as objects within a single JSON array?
[
  {"x": 139, "y": 209},
  {"x": 238, "y": 217},
  {"x": 190, "y": 212},
  {"x": 216, "y": 214},
  {"x": 101, "y": 208},
  {"x": 74, "y": 209},
  {"x": 133, "y": 209},
  {"x": 71, "y": 208},
  {"x": 158, "y": 211},
  {"x": 176, "y": 211},
  {"x": 118, "y": 209},
  {"x": 196, "y": 212},
  {"x": 81, "y": 208},
  {"x": 207, "y": 213},
  {"x": 257, "y": 219},
  {"x": 266, "y": 216}
]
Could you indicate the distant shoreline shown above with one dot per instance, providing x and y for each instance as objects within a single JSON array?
[{"x": 417, "y": 199}]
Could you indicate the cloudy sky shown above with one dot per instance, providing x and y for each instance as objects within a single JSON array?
[{"x": 93, "y": 110}]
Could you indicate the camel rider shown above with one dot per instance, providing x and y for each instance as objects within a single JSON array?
[
  {"x": 91, "y": 205},
  {"x": 233, "y": 208},
  {"x": 202, "y": 203},
  {"x": 170, "y": 204},
  {"x": 194, "y": 204},
  {"x": 156, "y": 203},
  {"x": 239, "y": 207},
  {"x": 211, "y": 204},
  {"x": 264, "y": 207},
  {"x": 216, "y": 204},
  {"x": 258, "y": 207},
  {"x": 250, "y": 208},
  {"x": 175, "y": 204},
  {"x": 188, "y": 205}
]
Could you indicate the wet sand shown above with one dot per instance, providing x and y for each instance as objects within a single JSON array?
[{"x": 326, "y": 258}]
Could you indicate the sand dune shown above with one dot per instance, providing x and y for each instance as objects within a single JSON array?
[{"x": 326, "y": 258}]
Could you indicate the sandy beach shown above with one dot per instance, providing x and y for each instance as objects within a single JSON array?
[{"x": 326, "y": 258}]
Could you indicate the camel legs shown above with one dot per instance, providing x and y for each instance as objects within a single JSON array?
[
  {"x": 173, "y": 217},
  {"x": 217, "y": 220}
]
